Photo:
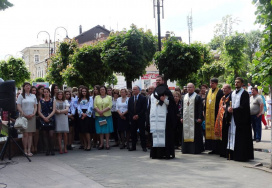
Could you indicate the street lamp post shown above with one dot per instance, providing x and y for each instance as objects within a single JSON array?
[
  {"x": 48, "y": 41},
  {"x": 55, "y": 37}
]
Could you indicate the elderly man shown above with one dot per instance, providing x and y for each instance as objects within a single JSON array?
[
  {"x": 223, "y": 120},
  {"x": 256, "y": 109},
  {"x": 136, "y": 110},
  {"x": 162, "y": 121},
  {"x": 191, "y": 117},
  {"x": 212, "y": 100},
  {"x": 240, "y": 146}
]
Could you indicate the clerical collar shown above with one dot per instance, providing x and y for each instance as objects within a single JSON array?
[
  {"x": 213, "y": 89},
  {"x": 190, "y": 94},
  {"x": 237, "y": 90},
  {"x": 227, "y": 96}
]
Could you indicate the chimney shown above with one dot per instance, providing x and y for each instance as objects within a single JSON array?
[
  {"x": 167, "y": 35},
  {"x": 104, "y": 26},
  {"x": 80, "y": 29}
]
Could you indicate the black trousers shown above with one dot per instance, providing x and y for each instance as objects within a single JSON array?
[{"x": 135, "y": 125}]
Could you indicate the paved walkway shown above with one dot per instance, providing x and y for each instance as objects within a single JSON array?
[{"x": 120, "y": 168}]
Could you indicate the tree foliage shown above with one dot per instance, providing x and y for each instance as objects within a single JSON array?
[
  {"x": 178, "y": 61},
  {"x": 14, "y": 69},
  {"x": 39, "y": 80},
  {"x": 234, "y": 53},
  {"x": 88, "y": 67},
  {"x": 129, "y": 52},
  {"x": 112, "y": 80},
  {"x": 60, "y": 61},
  {"x": 4, "y": 4},
  {"x": 263, "y": 62}
]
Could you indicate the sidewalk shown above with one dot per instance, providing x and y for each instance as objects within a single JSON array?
[
  {"x": 121, "y": 168},
  {"x": 42, "y": 172}
]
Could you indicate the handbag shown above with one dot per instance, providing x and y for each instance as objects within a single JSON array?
[
  {"x": 47, "y": 124},
  {"x": 102, "y": 122},
  {"x": 21, "y": 123}
]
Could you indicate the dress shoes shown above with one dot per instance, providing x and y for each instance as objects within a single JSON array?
[
  {"x": 144, "y": 150},
  {"x": 132, "y": 149},
  {"x": 257, "y": 140}
]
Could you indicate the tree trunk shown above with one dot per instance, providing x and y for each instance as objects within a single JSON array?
[
  {"x": 270, "y": 90},
  {"x": 129, "y": 84}
]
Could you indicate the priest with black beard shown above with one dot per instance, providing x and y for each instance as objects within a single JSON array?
[
  {"x": 223, "y": 120},
  {"x": 240, "y": 144},
  {"x": 162, "y": 121},
  {"x": 191, "y": 117}
]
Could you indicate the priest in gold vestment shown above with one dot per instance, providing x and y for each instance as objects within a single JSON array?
[{"x": 213, "y": 98}]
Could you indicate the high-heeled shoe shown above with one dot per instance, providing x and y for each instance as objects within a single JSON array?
[
  {"x": 101, "y": 147},
  {"x": 107, "y": 147}
]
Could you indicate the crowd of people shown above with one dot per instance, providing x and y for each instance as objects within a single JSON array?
[{"x": 192, "y": 120}]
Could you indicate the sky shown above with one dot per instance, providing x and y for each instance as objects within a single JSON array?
[{"x": 20, "y": 24}]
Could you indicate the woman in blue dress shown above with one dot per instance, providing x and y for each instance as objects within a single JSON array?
[{"x": 46, "y": 110}]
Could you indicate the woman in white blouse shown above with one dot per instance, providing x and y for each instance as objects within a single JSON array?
[
  {"x": 27, "y": 106},
  {"x": 85, "y": 108},
  {"x": 123, "y": 120}
]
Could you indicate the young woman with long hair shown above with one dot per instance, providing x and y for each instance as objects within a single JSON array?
[
  {"x": 85, "y": 108},
  {"x": 27, "y": 106},
  {"x": 46, "y": 110},
  {"x": 71, "y": 119},
  {"x": 61, "y": 116}
]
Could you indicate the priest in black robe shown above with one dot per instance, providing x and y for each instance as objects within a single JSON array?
[
  {"x": 163, "y": 94},
  {"x": 240, "y": 144},
  {"x": 191, "y": 117},
  {"x": 213, "y": 98}
]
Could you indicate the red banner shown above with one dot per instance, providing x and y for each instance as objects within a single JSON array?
[{"x": 149, "y": 76}]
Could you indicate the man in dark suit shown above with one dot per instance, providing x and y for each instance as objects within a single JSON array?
[{"x": 136, "y": 109}]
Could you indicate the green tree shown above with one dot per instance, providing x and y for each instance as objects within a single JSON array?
[
  {"x": 4, "y": 4},
  {"x": 14, "y": 69},
  {"x": 223, "y": 30},
  {"x": 88, "y": 67},
  {"x": 254, "y": 39},
  {"x": 112, "y": 79},
  {"x": 263, "y": 71},
  {"x": 178, "y": 61},
  {"x": 39, "y": 80},
  {"x": 60, "y": 61},
  {"x": 233, "y": 55},
  {"x": 263, "y": 61},
  {"x": 129, "y": 52}
]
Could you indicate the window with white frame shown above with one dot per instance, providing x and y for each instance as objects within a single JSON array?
[{"x": 36, "y": 58}]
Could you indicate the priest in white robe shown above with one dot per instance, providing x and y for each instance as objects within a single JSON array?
[
  {"x": 162, "y": 121},
  {"x": 191, "y": 117}
]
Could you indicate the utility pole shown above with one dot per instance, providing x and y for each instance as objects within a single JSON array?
[
  {"x": 159, "y": 22},
  {"x": 190, "y": 25}
]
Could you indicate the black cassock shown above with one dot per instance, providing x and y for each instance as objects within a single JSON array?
[
  {"x": 168, "y": 151},
  {"x": 243, "y": 148},
  {"x": 197, "y": 146}
]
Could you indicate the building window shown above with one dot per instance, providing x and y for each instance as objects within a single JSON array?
[{"x": 36, "y": 58}]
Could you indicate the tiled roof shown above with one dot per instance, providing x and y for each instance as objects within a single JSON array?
[{"x": 91, "y": 34}]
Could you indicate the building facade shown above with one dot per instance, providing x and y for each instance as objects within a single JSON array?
[{"x": 36, "y": 57}]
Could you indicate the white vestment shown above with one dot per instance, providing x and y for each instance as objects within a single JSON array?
[
  {"x": 158, "y": 121},
  {"x": 189, "y": 117},
  {"x": 235, "y": 99}
]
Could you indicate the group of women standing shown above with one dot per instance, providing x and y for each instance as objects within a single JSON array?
[{"x": 57, "y": 114}]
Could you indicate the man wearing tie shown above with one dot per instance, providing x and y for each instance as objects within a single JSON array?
[{"x": 136, "y": 109}]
